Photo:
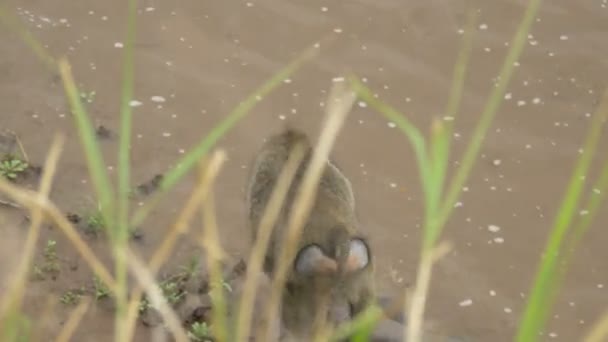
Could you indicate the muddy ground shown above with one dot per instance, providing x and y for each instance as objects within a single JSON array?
[{"x": 195, "y": 60}]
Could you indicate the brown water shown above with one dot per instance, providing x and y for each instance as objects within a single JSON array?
[{"x": 203, "y": 57}]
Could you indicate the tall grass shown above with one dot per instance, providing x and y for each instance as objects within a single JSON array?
[{"x": 432, "y": 155}]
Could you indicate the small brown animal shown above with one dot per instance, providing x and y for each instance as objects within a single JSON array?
[{"x": 334, "y": 264}]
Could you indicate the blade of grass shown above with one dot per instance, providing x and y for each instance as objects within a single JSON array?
[
  {"x": 339, "y": 102},
  {"x": 543, "y": 290},
  {"x": 13, "y": 297},
  {"x": 28, "y": 38},
  {"x": 69, "y": 328},
  {"x": 599, "y": 331},
  {"x": 595, "y": 199},
  {"x": 267, "y": 222},
  {"x": 412, "y": 331},
  {"x": 409, "y": 130},
  {"x": 215, "y": 255},
  {"x": 95, "y": 162},
  {"x": 491, "y": 107},
  {"x": 145, "y": 278},
  {"x": 242, "y": 109},
  {"x": 29, "y": 199},
  {"x": 124, "y": 188},
  {"x": 180, "y": 227},
  {"x": 441, "y": 132}
]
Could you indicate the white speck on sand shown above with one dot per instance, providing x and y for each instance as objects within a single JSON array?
[
  {"x": 157, "y": 99},
  {"x": 166, "y": 134},
  {"x": 391, "y": 125},
  {"x": 492, "y": 293},
  {"x": 135, "y": 103},
  {"x": 536, "y": 100},
  {"x": 118, "y": 45},
  {"x": 600, "y": 286},
  {"x": 508, "y": 310},
  {"x": 493, "y": 228},
  {"x": 324, "y": 9},
  {"x": 338, "y": 30},
  {"x": 282, "y": 117},
  {"x": 508, "y": 96},
  {"x": 563, "y": 37},
  {"x": 521, "y": 103},
  {"x": 362, "y": 104},
  {"x": 496, "y": 162},
  {"x": 393, "y": 185},
  {"x": 337, "y": 79},
  {"x": 150, "y": 9},
  {"x": 483, "y": 26},
  {"x": 499, "y": 240},
  {"x": 552, "y": 335},
  {"x": 466, "y": 302}
]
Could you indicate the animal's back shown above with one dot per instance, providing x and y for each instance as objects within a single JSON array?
[{"x": 333, "y": 205}]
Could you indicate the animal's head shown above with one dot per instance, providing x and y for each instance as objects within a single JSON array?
[{"x": 326, "y": 280}]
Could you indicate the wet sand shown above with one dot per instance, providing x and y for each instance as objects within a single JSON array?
[{"x": 195, "y": 60}]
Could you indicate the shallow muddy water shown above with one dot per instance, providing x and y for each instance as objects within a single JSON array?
[{"x": 195, "y": 60}]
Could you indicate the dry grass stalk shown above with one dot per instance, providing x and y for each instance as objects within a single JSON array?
[
  {"x": 599, "y": 331},
  {"x": 69, "y": 328},
  {"x": 209, "y": 240},
  {"x": 12, "y": 299},
  {"x": 214, "y": 256},
  {"x": 158, "y": 301},
  {"x": 413, "y": 330},
  {"x": 267, "y": 222},
  {"x": 181, "y": 226},
  {"x": 31, "y": 199},
  {"x": 339, "y": 103}
]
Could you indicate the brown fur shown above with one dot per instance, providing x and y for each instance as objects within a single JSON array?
[{"x": 331, "y": 225}]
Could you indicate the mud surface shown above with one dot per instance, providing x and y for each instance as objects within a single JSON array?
[{"x": 195, "y": 60}]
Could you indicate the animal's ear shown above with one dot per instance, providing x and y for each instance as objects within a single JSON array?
[
  {"x": 358, "y": 256},
  {"x": 312, "y": 261}
]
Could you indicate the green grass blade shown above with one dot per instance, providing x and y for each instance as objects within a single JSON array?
[
  {"x": 202, "y": 148},
  {"x": 28, "y": 38},
  {"x": 405, "y": 126},
  {"x": 543, "y": 290},
  {"x": 441, "y": 132},
  {"x": 365, "y": 321},
  {"x": 94, "y": 158},
  {"x": 593, "y": 204},
  {"x": 517, "y": 45},
  {"x": 124, "y": 171}
]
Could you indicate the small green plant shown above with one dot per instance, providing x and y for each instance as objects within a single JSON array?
[
  {"x": 71, "y": 297},
  {"x": 12, "y": 166},
  {"x": 199, "y": 331},
  {"x": 50, "y": 264},
  {"x": 101, "y": 290},
  {"x": 94, "y": 222},
  {"x": 172, "y": 291},
  {"x": 190, "y": 269}
]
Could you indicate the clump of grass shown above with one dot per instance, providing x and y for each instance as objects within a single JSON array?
[
  {"x": 72, "y": 297},
  {"x": 94, "y": 223},
  {"x": 100, "y": 289},
  {"x": 199, "y": 332},
  {"x": 11, "y": 167},
  {"x": 50, "y": 262}
]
